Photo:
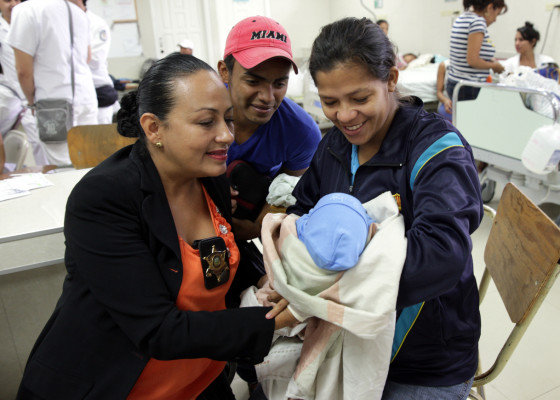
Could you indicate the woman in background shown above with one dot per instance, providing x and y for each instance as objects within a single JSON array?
[
  {"x": 445, "y": 106},
  {"x": 384, "y": 25},
  {"x": 526, "y": 39},
  {"x": 381, "y": 142},
  {"x": 151, "y": 258},
  {"x": 471, "y": 50}
]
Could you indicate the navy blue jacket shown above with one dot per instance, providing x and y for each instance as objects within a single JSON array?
[
  {"x": 429, "y": 168},
  {"x": 117, "y": 308}
]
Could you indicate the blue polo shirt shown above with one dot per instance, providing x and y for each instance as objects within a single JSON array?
[{"x": 288, "y": 141}]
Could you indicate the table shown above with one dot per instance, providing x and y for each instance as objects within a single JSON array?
[
  {"x": 30, "y": 170},
  {"x": 31, "y": 226}
]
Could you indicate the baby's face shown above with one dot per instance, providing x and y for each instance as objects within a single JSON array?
[{"x": 409, "y": 57}]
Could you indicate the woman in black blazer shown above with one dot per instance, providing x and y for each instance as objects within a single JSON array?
[{"x": 151, "y": 258}]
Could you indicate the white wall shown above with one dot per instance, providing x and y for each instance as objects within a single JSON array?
[
  {"x": 302, "y": 20},
  {"x": 519, "y": 11},
  {"x": 129, "y": 67},
  {"x": 424, "y": 26},
  {"x": 224, "y": 14},
  {"x": 415, "y": 26}
]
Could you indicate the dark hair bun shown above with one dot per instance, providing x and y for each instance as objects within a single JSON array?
[
  {"x": 127, "y": 117},
  {"x": 528, "y": 32}
]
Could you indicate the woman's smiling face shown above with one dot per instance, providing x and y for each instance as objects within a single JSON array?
[
  {"x": 361, "y": 106},
  {"x": 199, "y": 128}
]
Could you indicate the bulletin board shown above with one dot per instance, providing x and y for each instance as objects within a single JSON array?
[
  {"x": 116, "y": 11},
  {"x": 122, "y": 18}
]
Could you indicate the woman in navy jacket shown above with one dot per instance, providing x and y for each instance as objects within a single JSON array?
[
  {"x": 142, "y": 313},
  {"x": 383, "y": 142}
]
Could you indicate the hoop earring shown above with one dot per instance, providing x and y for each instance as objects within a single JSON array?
[{"x": 159, "y": 145}]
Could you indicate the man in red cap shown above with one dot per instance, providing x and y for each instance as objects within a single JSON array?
[{"x": 272, "y": 133}]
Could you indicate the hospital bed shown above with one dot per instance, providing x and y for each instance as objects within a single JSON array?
[
  {"x": 419, "y": 81},
  {"x": 498, "y": 125}
]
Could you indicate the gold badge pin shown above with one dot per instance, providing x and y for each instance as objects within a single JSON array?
[{"x": 217, "y": 264}]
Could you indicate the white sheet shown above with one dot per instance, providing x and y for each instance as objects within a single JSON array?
[{"x": 419, "y": 81}]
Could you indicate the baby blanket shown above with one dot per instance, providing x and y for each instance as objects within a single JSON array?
[{"x": 350, "y": 315}]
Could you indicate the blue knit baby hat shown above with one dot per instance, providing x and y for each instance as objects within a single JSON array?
[{"x": 335, "y": 231}]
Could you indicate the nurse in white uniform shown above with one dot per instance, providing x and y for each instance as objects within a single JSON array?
[
  {"x": 12, "y": 100},
  {"x": 40, "y": 36},
  {"x": 526, "y": 39},
  {"x": 100, "y": 45}
]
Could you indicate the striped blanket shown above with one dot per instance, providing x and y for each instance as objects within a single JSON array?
[{"x": 350, "y": 315}]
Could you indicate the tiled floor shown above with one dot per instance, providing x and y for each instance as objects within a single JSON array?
[{"x": 27, "y": 299}]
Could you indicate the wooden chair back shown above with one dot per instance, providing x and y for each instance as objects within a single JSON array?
[
  {"x": 88, "y": 145},
  {"x": 522, "y": 258},
  {"x": 522, "y": 252}
]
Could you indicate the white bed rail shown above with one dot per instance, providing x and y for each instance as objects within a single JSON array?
[
  {"x": 555, "y": 102},
  {"x": 498, "y": 125}
]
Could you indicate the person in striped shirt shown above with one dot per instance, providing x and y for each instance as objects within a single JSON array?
[{"x": 471, "y": 50}]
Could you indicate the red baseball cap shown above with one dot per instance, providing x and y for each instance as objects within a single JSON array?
[{"x": 256, "y": 39}]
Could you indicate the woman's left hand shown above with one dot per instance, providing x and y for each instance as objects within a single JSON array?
[
  {"x": 281, "y": 305},
  {"x": 282, "y": 315},
  {"x": 448, "y": 104}
]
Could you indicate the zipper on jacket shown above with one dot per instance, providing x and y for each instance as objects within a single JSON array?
[
  {"x": 400, "y": 165},
  {"x": 351, "y": 187},
  {"x": 341, "y": 161}
]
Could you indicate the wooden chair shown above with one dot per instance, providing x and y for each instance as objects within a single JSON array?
[
  {"x": 90, "y": 144},
  {"x": 522, "y": 258}
]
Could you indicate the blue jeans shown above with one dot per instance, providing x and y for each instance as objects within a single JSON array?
[
  {"x": 398, "y": 391},
  {"x": 465, "y": 93}
]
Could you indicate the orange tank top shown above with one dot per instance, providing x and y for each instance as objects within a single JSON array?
[{"x": 187, "y": 378}]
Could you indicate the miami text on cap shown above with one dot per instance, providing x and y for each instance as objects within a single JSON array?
[{"x": 256, "y": 39}]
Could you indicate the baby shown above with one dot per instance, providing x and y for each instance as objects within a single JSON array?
[{"x": 336, "y": 231}]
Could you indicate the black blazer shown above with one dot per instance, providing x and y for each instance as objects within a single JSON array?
[{"x": 117, "y": 308}]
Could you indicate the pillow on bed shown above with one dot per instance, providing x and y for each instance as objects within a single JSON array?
[{"x": 420, "y": 61}]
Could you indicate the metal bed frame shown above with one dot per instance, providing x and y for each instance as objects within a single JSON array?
[{"x": 498, "y": 125}]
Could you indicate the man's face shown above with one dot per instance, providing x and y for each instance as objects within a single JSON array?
[
  {"x": 257, "y": 93},
  {"x": 6, "y": 8}
]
